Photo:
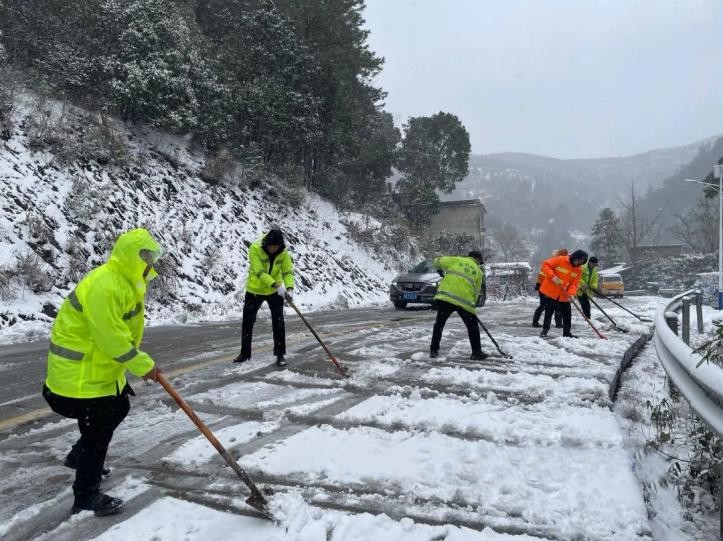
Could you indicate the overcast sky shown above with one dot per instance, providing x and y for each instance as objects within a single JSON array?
[{"x": 562, "y": 78}]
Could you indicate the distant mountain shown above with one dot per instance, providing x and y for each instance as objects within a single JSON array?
[
  {"x": 533, "y": 191},
  {"x": 675, "y": 195}
]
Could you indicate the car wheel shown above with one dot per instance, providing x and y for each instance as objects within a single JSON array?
[{"x": 400, "y": 305}]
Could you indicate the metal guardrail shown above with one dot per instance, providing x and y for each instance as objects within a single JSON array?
[{"x": 701, "y": 386}]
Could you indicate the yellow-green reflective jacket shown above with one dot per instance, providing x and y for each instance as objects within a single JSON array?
[
  {"x": 99, "y": 327},
  {"x": 463, "y": 279},
  {"x": 262, "y": 276},
  {"x": 588, "y": 281}
]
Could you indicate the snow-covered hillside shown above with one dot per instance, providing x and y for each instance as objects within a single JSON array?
[{"x": 59, "y": 219}]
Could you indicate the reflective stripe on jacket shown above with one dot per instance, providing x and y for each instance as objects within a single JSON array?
[
  {"x": 588, "y": 281},
  {"x": 561, "y": 267},
  {"x": 262, "y": 276},
  {"x": 463, "y": 279},
  {"x": 99, "y": 328}
]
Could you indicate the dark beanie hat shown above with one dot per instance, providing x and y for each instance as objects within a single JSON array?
[
  {"x": 275, "y": 236},
  {"x": 475, "y": 253},
  {"x": 593, "y": 259},
  {"x": 578, "y": 255}
]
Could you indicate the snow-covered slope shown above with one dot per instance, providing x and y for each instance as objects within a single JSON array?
[{"x": 61, "y": 219}]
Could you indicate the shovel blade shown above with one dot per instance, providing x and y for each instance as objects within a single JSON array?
[{"x": 260, "y": 504}]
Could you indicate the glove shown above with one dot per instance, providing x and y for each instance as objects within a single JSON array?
[
  {"x": 152, "y": 374},
  {"x": 290, "y": 294},
  {"x": 556, "y": 281},
  {"x": 441, "y": 273},
  {"x": 281, "y": 291}
]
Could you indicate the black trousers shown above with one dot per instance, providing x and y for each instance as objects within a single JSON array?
[
  {"x": 585, "y": 304},
  {"x": 541, "y": 309},
  {"x": 97, "y": 420},
  {"x": 470, "y": 320},
  {"x": 552, "y": 306},
  {"x": 252, "y": 303}
]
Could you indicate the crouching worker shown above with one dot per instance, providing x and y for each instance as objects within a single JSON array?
[
  {"x": 458, "y": 292},
  {"x": 94, "y": 341}
]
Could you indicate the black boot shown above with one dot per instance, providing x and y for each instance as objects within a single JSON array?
[
  {"x": 478, "y": 356},
  {"x": 543, "y": 333},
  {"x": 536, "y": 324},
  {"x": 280, "y": 361},
  {"x": 100, "y": 504},
  {"x": 433, "y": 354},
  {"x": 240, "y": 359},
  {"x": 71, "y": 461},
  {"x": 568, "y": 335}
]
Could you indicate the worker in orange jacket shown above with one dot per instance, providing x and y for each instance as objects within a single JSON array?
[
  {"x": 541, "y": 308},
  {"x": 562, "y": 276}
]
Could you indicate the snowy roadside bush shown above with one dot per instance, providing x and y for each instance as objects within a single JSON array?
[
  {"x": 164, "y": 287},
  {"x": 447, "y": 243},
  {"x": 219, "y": 167},
  {"x": 77, "y": 260},
  {"x": 31, "y": 273},
  {"x": 7, "y": 291},
  {"x": 712, "y": 350}
]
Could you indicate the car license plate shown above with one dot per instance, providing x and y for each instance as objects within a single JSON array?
[{"x": 410, "y": 297}]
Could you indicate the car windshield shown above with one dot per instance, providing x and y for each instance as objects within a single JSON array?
[
  {"x": 612, "y": 278},
  {"x": 422, "y": 268}
]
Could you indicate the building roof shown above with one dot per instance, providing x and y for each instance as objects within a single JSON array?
[{"x": 463, "y": 203}]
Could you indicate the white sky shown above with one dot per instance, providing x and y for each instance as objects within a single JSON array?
[{"x": 563, "y": 78}]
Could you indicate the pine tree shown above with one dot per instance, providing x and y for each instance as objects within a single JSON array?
[{"x": 607, "y": 237}]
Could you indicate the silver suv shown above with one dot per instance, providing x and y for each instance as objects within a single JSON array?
[{"x": 419, "y": 285}]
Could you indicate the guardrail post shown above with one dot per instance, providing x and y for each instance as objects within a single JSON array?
[
  {"x": 671, "y": 318},
  {"x": 699, "y": 310},
  {"x": 685, "y": 312}
]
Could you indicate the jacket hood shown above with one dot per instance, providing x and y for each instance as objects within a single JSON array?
[
  {"x": 273, "y": 237},
  {"x": 126, "y": 260}
]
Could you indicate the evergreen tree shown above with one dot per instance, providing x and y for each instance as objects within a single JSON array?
[
  {"x": 607, "y": 237},
  {"x": 348, "y": 102},
  {"x": 150, "y": 68},
  {"x": 434, "y": 155}
]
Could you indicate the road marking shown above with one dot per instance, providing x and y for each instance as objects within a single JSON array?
[{"x": 39, "y": 413}]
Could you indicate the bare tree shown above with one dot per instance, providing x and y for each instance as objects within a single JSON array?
[
  {"x": 638, "y": 223},
  {"x": 510, "y": 244},
  {"x": 698, "y": 226}
]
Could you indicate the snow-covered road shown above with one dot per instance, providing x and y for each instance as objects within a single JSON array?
[{"x": 407, "y": 448}]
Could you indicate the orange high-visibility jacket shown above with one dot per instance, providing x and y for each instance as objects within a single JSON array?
[{"x": 561, "y": 267}]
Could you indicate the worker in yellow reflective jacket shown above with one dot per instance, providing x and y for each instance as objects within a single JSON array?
[
  {"x": 458, "y": 292},
  {"x": 589, "y": 283},
  {"x": 270, "y": 280},
  {"x": 94, "y": 341}
]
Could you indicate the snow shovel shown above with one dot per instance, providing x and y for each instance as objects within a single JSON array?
[
  {"x": 572, "y": 300},
  {"x": 256, "y": 500},
  {"x": 339, "y": 367},
  {"x": 505, "y": 355},
  {"x": 617, "y": 328},
  {"x": 643, "y": 319}
]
